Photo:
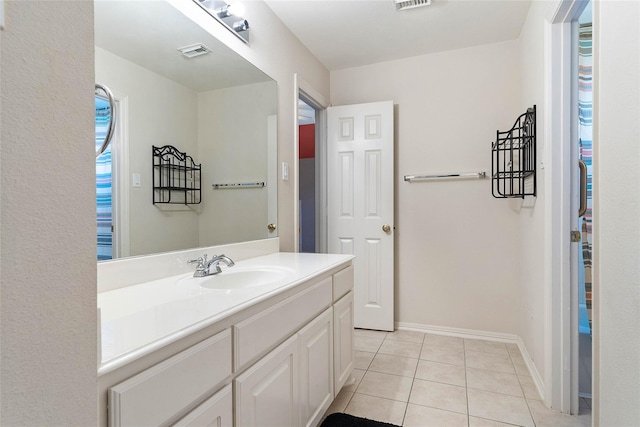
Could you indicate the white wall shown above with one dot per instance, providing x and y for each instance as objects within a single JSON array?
[
  {"x": 279, "y": 54},
  {"x": 160, "y": 112},
  {"x": 47, "y": 255},
  {"x": 456, "y": 246},
  {"x": 531, "y": 218},
  {"x": 232, "y": 141},
  {"x": 616, "y": 213}
]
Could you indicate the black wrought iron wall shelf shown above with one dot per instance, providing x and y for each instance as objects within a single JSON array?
[
  {"x": 176, "y": 177},
  {"x": 513, "y": 163}
]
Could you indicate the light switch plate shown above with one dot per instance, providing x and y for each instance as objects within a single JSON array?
[
  {"x": 136, "y": 180},
  {"x": 285, "y": 171}
]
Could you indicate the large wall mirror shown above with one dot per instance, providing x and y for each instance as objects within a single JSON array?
[{"x": 211, "y": 104}]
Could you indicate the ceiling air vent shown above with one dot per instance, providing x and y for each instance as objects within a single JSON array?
[
  {"x": 194, "y": 50},
  {"x": 410, "y": 4}
]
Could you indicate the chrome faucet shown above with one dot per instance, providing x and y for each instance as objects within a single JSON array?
[{"x": 212, "y": 266}]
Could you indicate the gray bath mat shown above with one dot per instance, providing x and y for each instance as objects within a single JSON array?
[{"x": 345, "y": 420}]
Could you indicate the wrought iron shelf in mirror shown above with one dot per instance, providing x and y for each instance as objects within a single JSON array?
[
  {"x": 228, "y": 15},
  {"x": 513, "y": 159},
  {"x": 176, "y": 177}
]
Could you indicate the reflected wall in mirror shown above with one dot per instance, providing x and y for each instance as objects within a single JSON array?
[{"x": 216, "y": 107}]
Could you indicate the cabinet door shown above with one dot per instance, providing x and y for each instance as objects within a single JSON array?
[
  {"x": 315, "y": 343},
  {"x": 344, "y": 355},
  {"x": 267, "y": 393},
  {"x": 217, "y": 411}
]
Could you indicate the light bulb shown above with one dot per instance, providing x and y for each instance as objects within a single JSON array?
[{"x": 236, "y": 9}]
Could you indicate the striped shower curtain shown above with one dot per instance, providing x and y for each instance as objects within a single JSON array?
[
  {"x": 585, "y": 110},
  {"x": 103, "y": 184}
]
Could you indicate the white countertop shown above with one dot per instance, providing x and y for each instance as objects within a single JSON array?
[{"x": 139, "y": 319}]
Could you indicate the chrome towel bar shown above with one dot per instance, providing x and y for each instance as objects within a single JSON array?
[
  {"x": 238, "y": 185},
  {"x": 477, "y": 175}
]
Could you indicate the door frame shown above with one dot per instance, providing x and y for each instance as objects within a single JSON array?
[
  {"x": 559, "y": 374},
  {"x": 315, "y": 99}
]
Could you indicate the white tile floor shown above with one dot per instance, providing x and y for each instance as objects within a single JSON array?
[{"x": 415, "y": 379}]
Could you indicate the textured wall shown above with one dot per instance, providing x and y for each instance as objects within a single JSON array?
[
  {"x": 616, "y": 213},
  {"x": 47, "y": 259},
  {"x": 456, "y": 246}
]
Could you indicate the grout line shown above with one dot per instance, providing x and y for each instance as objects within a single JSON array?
[
  {"x": 349, "y": 401},
  {"x": 466, "y": 383},
  {"x": 413, "y": 380},
  {"x": 522, "y": 388}
]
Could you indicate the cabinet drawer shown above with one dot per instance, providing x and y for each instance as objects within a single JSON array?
[
  {"x": 215, "y": 411},
  {"x": 258, "y": 334},
  {"x": 342, "y": 283},
  {"x": 156, "y": 395}
]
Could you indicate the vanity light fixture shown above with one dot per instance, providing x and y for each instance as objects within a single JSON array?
[
  {"x": 410, "y": 4},
  {"x": 229, "y": 15}
]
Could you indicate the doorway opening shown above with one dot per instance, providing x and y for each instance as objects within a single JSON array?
[
  {"x": 583, "y": 151},
  {"x": 311, "y": 172},
  {"x": 306, "y": 177}
]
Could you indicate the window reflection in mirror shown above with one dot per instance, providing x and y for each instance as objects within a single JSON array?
[{"x": 103, "y": 182}]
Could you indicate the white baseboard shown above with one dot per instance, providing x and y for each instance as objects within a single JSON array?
[{"x": 483, "y": 335}]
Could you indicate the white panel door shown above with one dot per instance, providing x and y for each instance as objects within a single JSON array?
[
  {"x": 360, "y": 204},
  {"x": 272, "y": 176}
]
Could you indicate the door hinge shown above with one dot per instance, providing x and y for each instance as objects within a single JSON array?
[{"x": 575, "y": 236}]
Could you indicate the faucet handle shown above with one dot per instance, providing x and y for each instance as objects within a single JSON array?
[{"x": 201, "y": 261}]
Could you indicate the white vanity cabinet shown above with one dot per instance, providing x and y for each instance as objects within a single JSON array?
[{"x": 278, "y": 363}]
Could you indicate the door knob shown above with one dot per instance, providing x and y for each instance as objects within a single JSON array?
[
  {"x": 386, "y": 228},
  {"x": 271, "y": 227}
]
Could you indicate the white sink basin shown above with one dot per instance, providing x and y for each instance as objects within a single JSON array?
[{"x": 237, "y": 278}]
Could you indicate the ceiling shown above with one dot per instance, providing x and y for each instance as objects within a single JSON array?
[
  {"x": 350, "y": 33},
  {"x": 149, "y": 33}
]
